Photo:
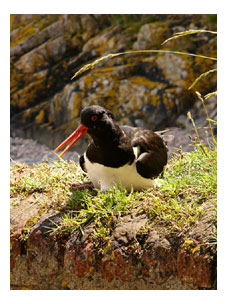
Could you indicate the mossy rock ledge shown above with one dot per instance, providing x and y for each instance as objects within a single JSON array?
[{"x": 140, "y": 249}]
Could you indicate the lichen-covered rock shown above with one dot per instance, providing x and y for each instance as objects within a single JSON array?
[
  {"x": 193, "y": 268},
  {"x": 151, "y": 35},
  {"x": 142, "y": 90},
  {"x": 131, "y": 258}
]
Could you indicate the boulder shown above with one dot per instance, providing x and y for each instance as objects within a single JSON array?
[{"x": 149, "y": 90}]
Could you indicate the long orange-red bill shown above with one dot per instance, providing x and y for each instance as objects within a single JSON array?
[{"x": 75, "y": 136}]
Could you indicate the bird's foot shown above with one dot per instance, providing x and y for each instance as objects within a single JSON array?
[{"x": 74, "y": 186}]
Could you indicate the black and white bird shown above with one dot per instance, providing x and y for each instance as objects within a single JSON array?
[{"x": 130, "y": 156}]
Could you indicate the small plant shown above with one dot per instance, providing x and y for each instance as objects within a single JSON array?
[{"x": 103, "y": 208}]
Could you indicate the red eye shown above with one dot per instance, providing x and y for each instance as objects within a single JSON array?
[{"x": 94, "y": 117}]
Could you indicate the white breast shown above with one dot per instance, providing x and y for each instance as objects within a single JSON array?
[{"x": 104, "y": 178}]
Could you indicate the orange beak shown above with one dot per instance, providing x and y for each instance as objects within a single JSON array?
[{"x": 75, "y": 136}]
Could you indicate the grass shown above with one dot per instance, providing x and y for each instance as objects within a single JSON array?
[
  {"x": 188, "y": 189},
  {"x": 189, "y": 180}
]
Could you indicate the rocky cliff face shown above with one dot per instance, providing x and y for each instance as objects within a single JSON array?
[{"x": 147, "y": 91}]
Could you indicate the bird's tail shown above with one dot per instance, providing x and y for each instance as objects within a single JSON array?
[{"x": 166, "y": 137}]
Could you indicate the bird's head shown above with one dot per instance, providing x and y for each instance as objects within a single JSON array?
[{"x": 95, "y": 120}]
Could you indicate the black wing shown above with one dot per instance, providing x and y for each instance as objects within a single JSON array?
[
  {"x": 82, "y": 162},
  {"x": 153, "y": 153}
]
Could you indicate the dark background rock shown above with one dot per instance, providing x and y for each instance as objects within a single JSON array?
[{"x": 145, "y": 90}]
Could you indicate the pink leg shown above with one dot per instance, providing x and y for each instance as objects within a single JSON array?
[{"x": 74, "y": 186}]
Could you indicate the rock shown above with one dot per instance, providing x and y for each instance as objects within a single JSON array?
[
  {"x": 46, "y": 260},
  {"x": 142, "y": 90},
  {"x": 193, "y": 268},
  {"x": 151, "y": 35},
  {"x": 30, "y": 152},
  {"x": 182, "y": 121}
]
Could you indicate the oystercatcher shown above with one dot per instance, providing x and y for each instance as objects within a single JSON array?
[{"x": 130, "y": 156}]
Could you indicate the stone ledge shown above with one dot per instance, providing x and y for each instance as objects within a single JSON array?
[{"x": 128, "y": 260}]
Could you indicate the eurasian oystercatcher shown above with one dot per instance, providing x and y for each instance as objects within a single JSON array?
[{"x": 130, "y": 156}]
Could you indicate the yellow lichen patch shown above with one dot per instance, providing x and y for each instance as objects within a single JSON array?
[
  {"x": 57, "y": 102},
  {"x": 40, "y": 117},
  {"x": 22, "y": 33},
  {"x": 191, "y": 246},
  {"x": 27, "y": 113},
  {"x": 202, "y": 66},
  {"x": 187, "y": 243},
  {"x": 141, "y": 80},
  {"x": 196, "y": 249},
  {"x": 65, "y": 284},
  {"x": 50, "y": 117},
  {"x": 155, "y": 100},
  {"x": 36, "y": 113},
  {"x": 104, "y": 42},
  {"x": 77, "y": 98},
  {"x": 47, "y": 20},
  {"x": 26, "y": 96},
  {"x": 169, "y": 97},
  {"x": 108, "y": 253},
  {"x": 137, "y": 90},
  {"x": 89, "y": 80},
  {"x": 97, "y": 77},
  {"x": 91, "y": 269},
  {"x": 27, "y": 25}
]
